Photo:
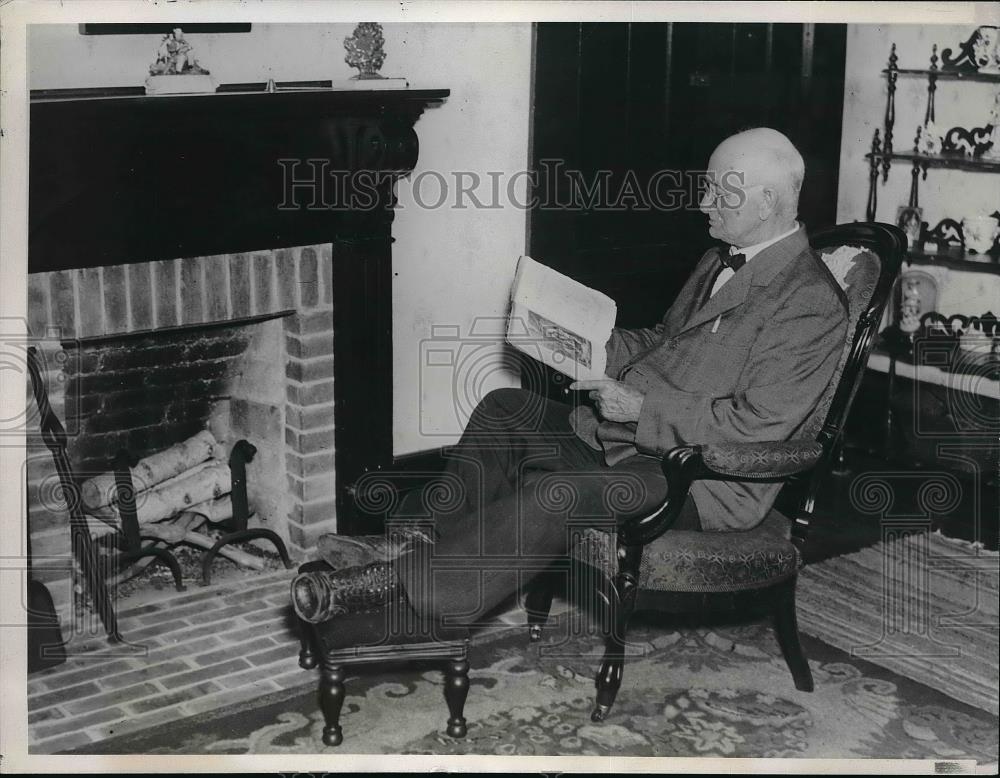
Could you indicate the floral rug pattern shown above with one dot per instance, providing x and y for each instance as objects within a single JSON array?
[{"x": 691, "y": 692}]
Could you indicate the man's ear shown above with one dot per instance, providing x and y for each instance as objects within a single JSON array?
[{"x": 768, "y": 202}]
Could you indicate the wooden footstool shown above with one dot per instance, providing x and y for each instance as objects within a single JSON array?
[{"x": 394, "y": 633}]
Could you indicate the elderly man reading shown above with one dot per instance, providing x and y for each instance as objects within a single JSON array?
[{"x": 742, "y": 355}]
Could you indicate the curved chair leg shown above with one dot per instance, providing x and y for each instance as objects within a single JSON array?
[
  {"x": 331, "y": 700},
  {"x": 786, "y": 626},
  {"x": 609, "y": 677},
  {"x": 456, "y": 689}
]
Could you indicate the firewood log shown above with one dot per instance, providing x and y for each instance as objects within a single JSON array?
[
  {"x": 202, "y": 541},
  {"x": 205, "y": 493},
  {"x": 152, "y": 470},
  {"x": 165, "y": 500}
]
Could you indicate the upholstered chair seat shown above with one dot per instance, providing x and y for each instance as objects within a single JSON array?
[{"x": 687, "y": 561}]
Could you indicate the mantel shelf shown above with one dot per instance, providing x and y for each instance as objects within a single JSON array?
[
  {"x": 232, "y": 96},
  {"x": 956, "y": 161},
  {"x": 117, "y": 176},
  {"x": 956, "y": 75}
]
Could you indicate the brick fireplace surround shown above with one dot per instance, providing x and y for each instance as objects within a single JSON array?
[{"x": 126, "y": 328}]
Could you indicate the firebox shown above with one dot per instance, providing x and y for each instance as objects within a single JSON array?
[{"x": 241, "y": 345}]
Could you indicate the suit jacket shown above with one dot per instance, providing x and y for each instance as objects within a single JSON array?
[{"x": 750, "y": 365}]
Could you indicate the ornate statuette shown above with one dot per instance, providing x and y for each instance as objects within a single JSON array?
[
  {"x": 365, "y": 50},
  {"x": 928, "y": 139},
  {"x": 981, "y": 231},
  {"x": 981, "y": 52},
  {"x": 176, "y": 70},
  {"x": 909, "y": 308},
  {"x": 175, "y": 57},
  {"x": 994, "y": 124}
]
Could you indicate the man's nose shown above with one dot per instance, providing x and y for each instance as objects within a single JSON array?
[{"x": 706, "y": 203}]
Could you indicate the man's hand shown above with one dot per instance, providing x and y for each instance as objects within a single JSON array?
[{"x": 615, "y": 401}]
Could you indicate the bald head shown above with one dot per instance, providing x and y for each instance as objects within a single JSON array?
[{"x": 768, "y": 170}]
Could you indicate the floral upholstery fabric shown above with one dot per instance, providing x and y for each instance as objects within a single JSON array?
[
  {"x": 771, "y": 460},
  {"x": 682, "y": 561}
]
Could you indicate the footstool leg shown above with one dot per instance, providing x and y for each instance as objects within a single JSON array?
[
  {"x": 331, "y": 700},
  {"x": 307, "y": 653},
  {"x": 456, "y": 689}
]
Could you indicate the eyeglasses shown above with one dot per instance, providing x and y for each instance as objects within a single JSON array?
[{"x": 731, "y": 196}]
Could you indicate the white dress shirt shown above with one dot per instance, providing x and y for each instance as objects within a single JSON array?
[{"x": 749, "y": 252}]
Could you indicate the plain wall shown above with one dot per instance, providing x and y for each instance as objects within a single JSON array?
[
  {"x": 451, "y": 265},
  {"x": 945, "y": 193}
]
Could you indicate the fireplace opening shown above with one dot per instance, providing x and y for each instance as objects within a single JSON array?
[
  {"x": 151, "y": 395},
  {"x": 153, "y": 353}
]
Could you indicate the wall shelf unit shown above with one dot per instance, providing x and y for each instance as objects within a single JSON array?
[
  {"x": 966, "y": 150},
  {"x": 907, "y": 355}
]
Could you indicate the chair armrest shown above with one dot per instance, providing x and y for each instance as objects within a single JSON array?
[
  {"x": 766, "y": 461},
  {"x": 681, "y": 466}
]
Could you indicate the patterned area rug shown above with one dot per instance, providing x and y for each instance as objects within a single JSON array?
[
  {"x": 923, "y": 605},
  {"x": 692, "y": 692}
]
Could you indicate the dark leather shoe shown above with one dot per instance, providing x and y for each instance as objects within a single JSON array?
[
  {"x": 343, "y": 551},
  {"x": 321, "y": 595}
]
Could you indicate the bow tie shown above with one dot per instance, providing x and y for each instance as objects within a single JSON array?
[{"x": 733, "y": 261}]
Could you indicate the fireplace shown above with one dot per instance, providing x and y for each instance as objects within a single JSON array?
[
  {"x": 152, "y": 353},
  {"x": 181, "y": 277}
]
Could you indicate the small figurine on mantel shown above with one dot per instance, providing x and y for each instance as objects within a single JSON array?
[
  {"x": 175, "y": 57},
  {"x": 365, "y": 50},
  {"x": 176, "y": 70}
]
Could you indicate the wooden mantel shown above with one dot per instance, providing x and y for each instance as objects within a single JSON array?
[{"x": 119, "y": 178}]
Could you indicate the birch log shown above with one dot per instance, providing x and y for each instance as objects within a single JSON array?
[
  {"x": 167, "y": 533},
  {"x": 100, "y": 491},
  {"x": 198, "y": 492}
]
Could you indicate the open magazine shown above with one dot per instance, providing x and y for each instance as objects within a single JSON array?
[{"x": 559, "y": 321}]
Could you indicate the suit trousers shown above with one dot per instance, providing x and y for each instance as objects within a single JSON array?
[{"x": 516, "y": 489}]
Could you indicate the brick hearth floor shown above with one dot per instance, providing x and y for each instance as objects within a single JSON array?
[{"x": 194, "y": 651}]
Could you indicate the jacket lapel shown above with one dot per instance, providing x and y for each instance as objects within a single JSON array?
[
  {"x": 759, "y": 271},
  {"x": 694, "y": 291},
  {"x": 734, "y": 293}
]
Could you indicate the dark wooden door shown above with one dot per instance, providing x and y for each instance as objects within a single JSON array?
[{"x": 622, "y": 103}]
